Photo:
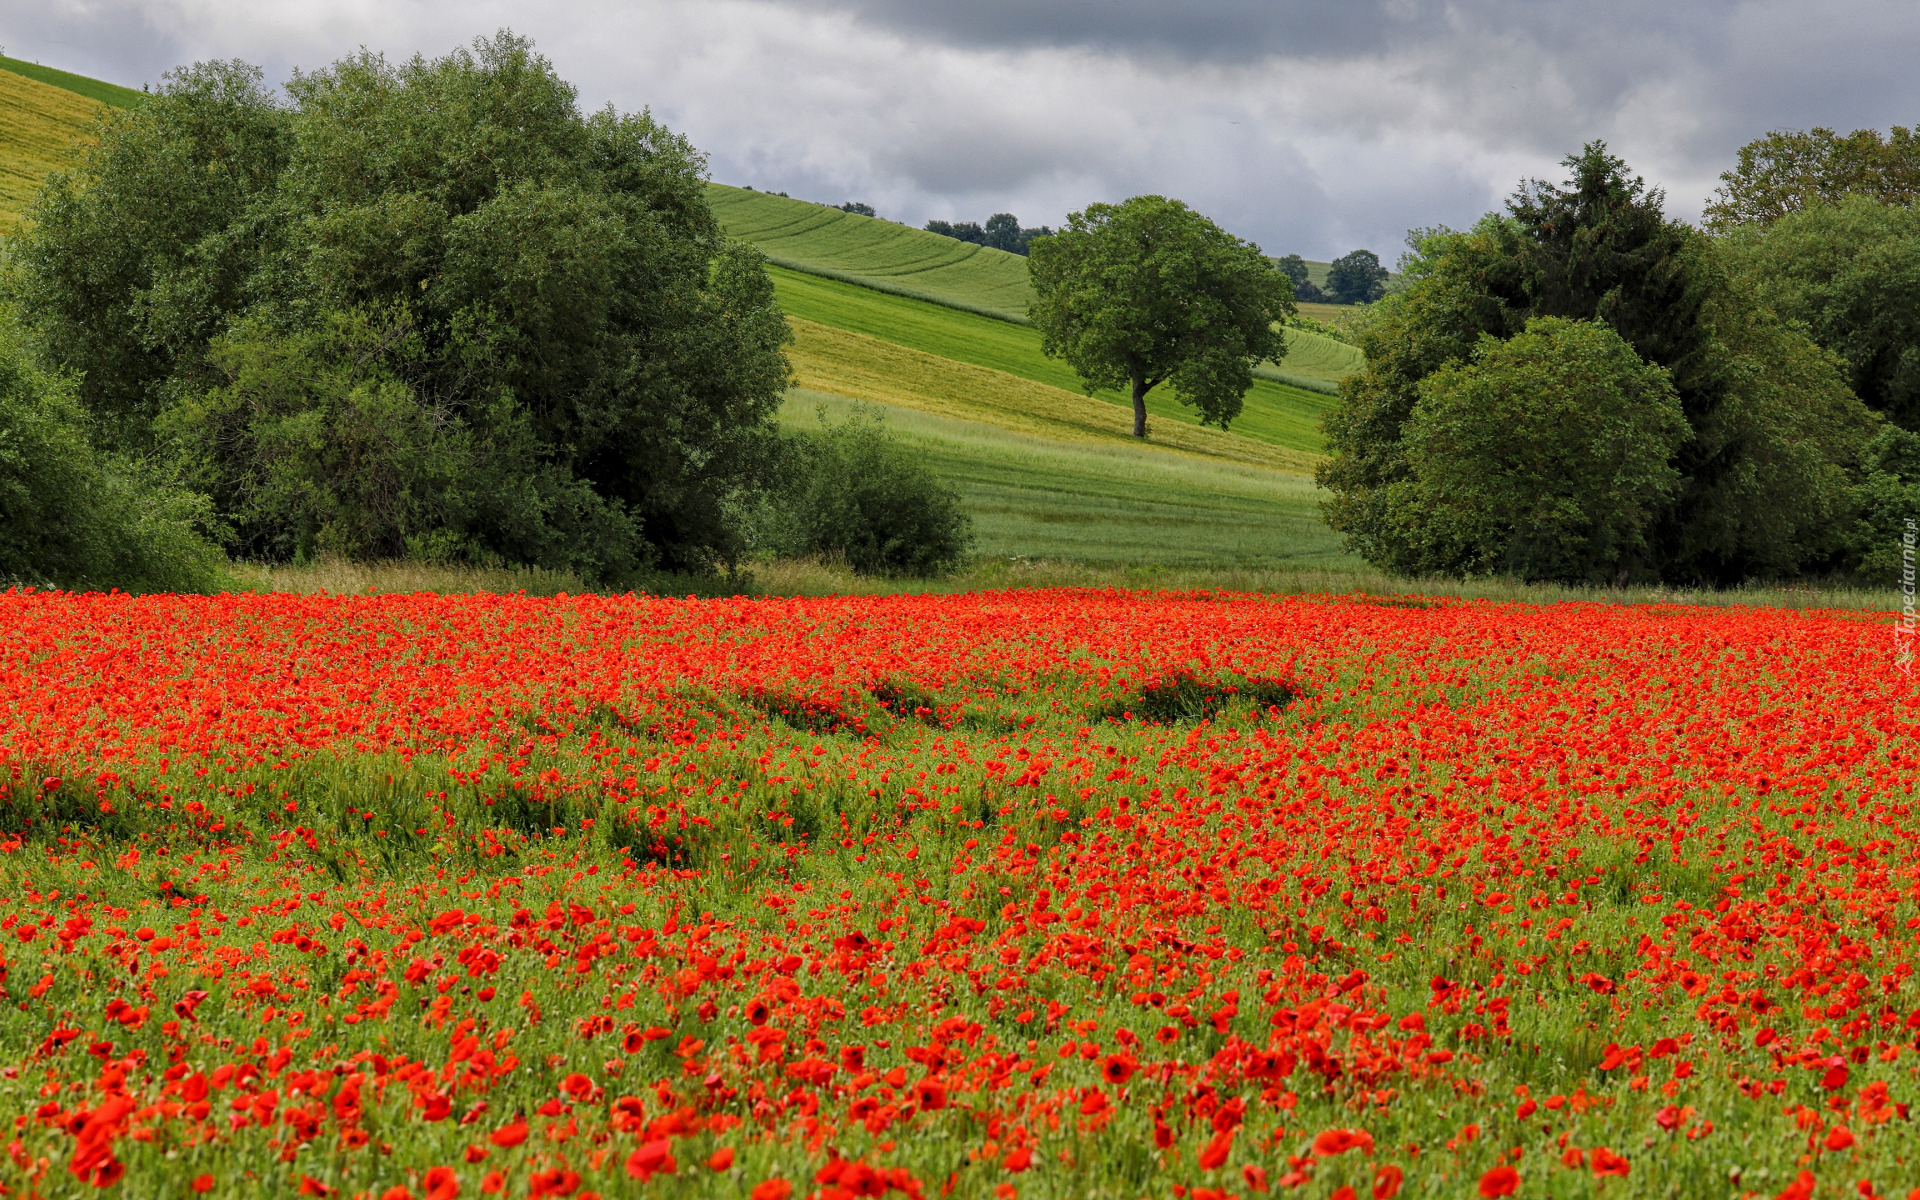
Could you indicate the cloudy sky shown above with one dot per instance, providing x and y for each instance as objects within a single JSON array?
[{"x": 1311, "y": 126}]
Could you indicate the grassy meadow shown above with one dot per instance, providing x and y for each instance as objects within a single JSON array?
[
  {"x": 873, "y": 248},
  {"x": 1103, "y": 502},
  {"x": 97, "y": 90},
  {"x": 1276, "y": 414}
]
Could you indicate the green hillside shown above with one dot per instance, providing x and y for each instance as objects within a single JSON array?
[
  {"x": 1036, "y": 497},
  {"x": 819, "y": 236},
  {"x": 1044, "y": 470},
  {"x": 1276, "y": 414},
  {"x": 79, "y": 85},
  {"x": 42, "y": 129},
  {"x": 1319, "y": 357}
]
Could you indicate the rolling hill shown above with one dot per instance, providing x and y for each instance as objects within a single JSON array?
[
  {"x": 803, "y": 235},
  {"x": 1278, "y": 415},
  {"x": 42, "y": 127},
  {"x": 895, "y": 259}
]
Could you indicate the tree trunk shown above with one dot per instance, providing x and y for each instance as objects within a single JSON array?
[{"x": 1140, "y": 387}]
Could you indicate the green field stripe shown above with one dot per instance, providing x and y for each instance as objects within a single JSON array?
[
  {"x": 1275, "y": 413},
  {"x": 93, "y": 89},
  {"x": 826, "y": 238},
  {"x": 888, "y": 287},
  {"x": 1099, "y": 503}
]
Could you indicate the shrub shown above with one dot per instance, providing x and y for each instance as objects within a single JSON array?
[
  {"x": 852, "y": 493},
  {"x": 1546, "y": 457},
  {"x": 75, "y": 518}
]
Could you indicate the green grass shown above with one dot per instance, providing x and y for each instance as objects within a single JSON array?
[
  {"x": 1277, "y": 414},
  {"x": 873, "y": 248},
  {"x": 92, "y": 89},
  {"x": 42, "y": 129},
  {"x": 1039, "y": 498},
  {"x": 1319, "y": 357}
]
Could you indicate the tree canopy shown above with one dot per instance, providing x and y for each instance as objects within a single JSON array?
[
  {"x": 1789, "y": 171},
  {"x": 1771, "y": 427},
  {"x": 1295, "y": 269},
  {"x": 1001, "y": 232},
  {"x": 1849, "y": 273},
  {"x": 426, "y": 307},
  {"x": 1357, "y": 278},
  {"x": 1544, "y": 456},
  {"x": 1148, "y": 291}
]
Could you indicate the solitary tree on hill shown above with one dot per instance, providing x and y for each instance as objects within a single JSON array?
[
  {"x": 1148, "y": 292},
  {"x": 1357, "y": 278}
]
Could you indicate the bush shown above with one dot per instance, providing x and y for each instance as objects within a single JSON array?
[
  {"x": 851, "y": 492},
  {"x": 72, "y": 517},
  {"x": 1546, "y": 456}
]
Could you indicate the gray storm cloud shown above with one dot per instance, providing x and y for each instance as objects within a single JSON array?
[{"x": 1309, "y": 127}]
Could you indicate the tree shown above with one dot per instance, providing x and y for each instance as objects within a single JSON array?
[
  {"x": 1789, "y": 171},
  {"x": 1003, "y": 233},
  {"x": 1357, "y": 278},
  {"x": 1544, "y": 456},
  {"x": 426, "y": 308},
  {"x": 857, "y": 208},
  {"x": 131, "y": 264},
  {"x": 1772, "y": 428},
  {"x": 1148, "y": 292},
  {"x": 75, "y": 517},
  {"x": 1849, "y": 273},
  {"x": 1295, "y": 269}
]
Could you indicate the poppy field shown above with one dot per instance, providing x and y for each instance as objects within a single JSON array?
[{"x": 1016, "y": 895}]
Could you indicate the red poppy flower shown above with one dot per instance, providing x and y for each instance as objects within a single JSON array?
[
  {"x": 652, "y": 1158},
  {"x": 1501, "y": 1181},
  {"x": 1606, "y": 1162},
  {"x": 1332, "y": 1142}
]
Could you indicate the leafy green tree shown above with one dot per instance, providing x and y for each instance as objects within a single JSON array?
[
  {"x": 74, "y": 517},
  {"x": 1849, "y": 273},
  {"x": 1357, "y": 278},
  {"x": 1772, "y": 427},
  {"x": 132, "y": 263},
  {"x": 1147, "y": 292},
  {"x": 858, "y": 209},
  {"x": 452, "y": 315},
  {"x": 1544, "y": 456},
  {"x": 1295, "y": 269},
  {"x": 1790, "y": 171},
  {"x": 1885, "y": 500}
]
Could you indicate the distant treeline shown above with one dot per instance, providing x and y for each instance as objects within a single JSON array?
[{"x": 1002, "y": 232}]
